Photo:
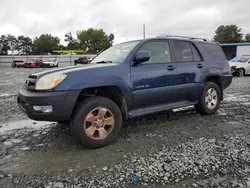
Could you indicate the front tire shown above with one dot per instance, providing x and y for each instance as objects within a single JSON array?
[
  {"x": 96, "y": 122},
  {"x": 240, "y": 73},
  {"x": 210, "y": 99}
]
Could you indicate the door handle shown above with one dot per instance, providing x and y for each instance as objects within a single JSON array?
[
  {"x": 171, "y": 67},
  {"x": 199, "y": 65}
]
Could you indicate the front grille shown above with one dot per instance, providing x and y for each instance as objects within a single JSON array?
[{"x": 31, "y": 82}]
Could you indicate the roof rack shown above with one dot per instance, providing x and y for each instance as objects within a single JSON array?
[{"x": 177, "y": 36}]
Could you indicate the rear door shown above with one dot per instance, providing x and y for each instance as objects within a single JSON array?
[
  {"x": 190, "y": 65},
  {"x": 153, "y": 80}
]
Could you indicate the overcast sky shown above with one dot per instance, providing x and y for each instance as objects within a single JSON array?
[{"x": 124, "y": 18}]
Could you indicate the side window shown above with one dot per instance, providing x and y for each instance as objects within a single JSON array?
[
  {"x": 214, "y": 50},
  {"x": 196, "y": 54},
  {"x": 182, "y": 51},
  {"x": 159, "y": 52}
]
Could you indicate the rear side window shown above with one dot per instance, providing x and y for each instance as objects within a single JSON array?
[
  {"x": 182, "y": 51},
  {"x": 196, "y": 54},
  {"x": 214, "y": 50}
]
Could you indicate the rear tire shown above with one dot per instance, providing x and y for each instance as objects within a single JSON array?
[
  {"x": 91, "y": 127},
  {"x": 210, "y": 99}
]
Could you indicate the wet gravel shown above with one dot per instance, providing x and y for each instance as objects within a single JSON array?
[{"x": 168, "y": 149}]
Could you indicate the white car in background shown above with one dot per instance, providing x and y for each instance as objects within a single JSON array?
[
  {"x": 240, "y": 66},
  {"x": 50, "y": 63}
]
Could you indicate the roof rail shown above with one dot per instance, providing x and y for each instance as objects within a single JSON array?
[{"x": 177, "y": 36}]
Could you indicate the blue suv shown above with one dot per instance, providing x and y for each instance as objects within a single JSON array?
[{"x": 130, "y": 79}]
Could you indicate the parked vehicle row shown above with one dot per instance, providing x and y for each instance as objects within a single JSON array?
[
  {"x": 35, "y": 63},
  {"x": 240, "y": 65}
]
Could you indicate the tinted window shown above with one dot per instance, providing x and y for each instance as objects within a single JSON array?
[
  {"x": 159, "y": 52},
  {"x": 182, "y": 51},
  {"x": 196, "y": 54},
  {"x": 215, "y": 51}
]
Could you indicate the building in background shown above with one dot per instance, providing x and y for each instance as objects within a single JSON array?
[{"x": 232, "y": 50}]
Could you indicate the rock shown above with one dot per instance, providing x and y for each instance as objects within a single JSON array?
[
  {"x": 35, "y": 135},
  {"x": 39, "y": 145},
  {"x": 8, "y": 144},
  {"x": 105, "y": 168},
  {"x": 165, "y": 178},
  {"x": 195, "y": 185},
  {"x": 58, "y": 185},
  {"x": 16, "y": 141},
  {"x": 145, "y": 179},
  {"x": 128, "y": 140},
  {"x": 248, "y": 183},
  {"x": 25, "y": 148},
  {"x": 211, "y": 141}
]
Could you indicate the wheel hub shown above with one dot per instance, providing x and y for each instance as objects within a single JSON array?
[
  {"x": 211, "y": 98},
  {"x": 98, "y": 123}
]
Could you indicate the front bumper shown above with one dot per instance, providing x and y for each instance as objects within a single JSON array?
[
  {"x": 48, "y": 65},
  {"x": 62, "y": 102}
]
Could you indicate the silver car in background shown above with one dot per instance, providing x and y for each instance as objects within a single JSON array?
[{"x": 240, "y": 66}]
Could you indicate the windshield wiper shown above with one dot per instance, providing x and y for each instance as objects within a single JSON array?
[{"x": 103, "y": 62}]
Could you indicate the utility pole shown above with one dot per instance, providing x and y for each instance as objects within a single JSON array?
[{"x": 143, "y": 31}]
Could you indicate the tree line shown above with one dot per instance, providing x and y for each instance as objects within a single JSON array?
[
  {"x": 230, "y": 34},
  {"x": 91, "y": 40}
]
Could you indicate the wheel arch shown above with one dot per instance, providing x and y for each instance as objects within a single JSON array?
[
  {"x": 112, "y": 92},
  {"x": 217, "y": 79}
]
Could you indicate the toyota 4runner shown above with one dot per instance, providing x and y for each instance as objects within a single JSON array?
[{"x": 127, "y": 80}]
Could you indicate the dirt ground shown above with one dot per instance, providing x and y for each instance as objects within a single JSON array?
[{"x": 168, "y": 149}]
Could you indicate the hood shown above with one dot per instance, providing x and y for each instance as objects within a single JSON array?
[
  {"x": 232, "y": 63},
  {"x": 70, "y": 69}
]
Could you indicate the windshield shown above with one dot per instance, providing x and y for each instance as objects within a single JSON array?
[
  {"x": 243, "y": 59},
  {"x": 116, "y": 53}
]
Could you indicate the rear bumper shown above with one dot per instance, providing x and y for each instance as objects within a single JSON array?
[
  {"x": 227, "y": 80},
  {"x": 62, "y": 102}
]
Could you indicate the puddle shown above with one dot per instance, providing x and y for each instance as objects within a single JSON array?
[{"x": 25, "y": 124}]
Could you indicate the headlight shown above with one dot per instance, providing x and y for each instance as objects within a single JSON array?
[{"x": 49, "y": 81}]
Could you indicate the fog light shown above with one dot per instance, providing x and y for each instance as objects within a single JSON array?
[{"x": 45, "y": 109}]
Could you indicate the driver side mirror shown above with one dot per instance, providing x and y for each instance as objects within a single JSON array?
[{"x": 141, "y": 57}]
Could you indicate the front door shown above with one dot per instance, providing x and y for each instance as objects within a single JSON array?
[{"x": 152, "y": 81}]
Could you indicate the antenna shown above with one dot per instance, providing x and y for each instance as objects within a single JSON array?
[{"x": 143, "y": 31}]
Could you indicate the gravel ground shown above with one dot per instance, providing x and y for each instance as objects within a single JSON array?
[{"x": 168, "y": 149}]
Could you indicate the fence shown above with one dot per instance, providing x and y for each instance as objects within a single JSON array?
[{"x": 67, "y": 59}]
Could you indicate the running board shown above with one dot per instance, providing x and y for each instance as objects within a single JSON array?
[{"x": 158, "y": 108}]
